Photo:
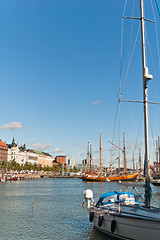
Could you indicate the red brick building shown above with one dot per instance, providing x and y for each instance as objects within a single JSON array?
[
  {"x": 61, "y": 160},
  {"x": 3, "y": 151}
]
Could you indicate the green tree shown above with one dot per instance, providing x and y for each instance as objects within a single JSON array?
[
  {"x": 3, "y": 165},
  {"x": 75, "y": 170}
]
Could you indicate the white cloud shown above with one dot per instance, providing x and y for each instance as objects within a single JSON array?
[
  {"x": 11, "y": 126},
  {"x": 41, "y": 147},
  {"x": 97, "y": 102},
  {"x": 57, "y": 150}
]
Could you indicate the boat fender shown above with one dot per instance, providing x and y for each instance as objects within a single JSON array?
[
  {"x": 113, "y": 226},
  {"x": 91, "y": 216},
  {"x": 100, "y": 219}
]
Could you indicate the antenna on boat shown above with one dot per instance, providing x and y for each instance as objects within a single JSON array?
[{"x": 146, "y": 78}]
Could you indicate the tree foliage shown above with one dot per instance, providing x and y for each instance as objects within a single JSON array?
[{"x": 13, "y": 165}]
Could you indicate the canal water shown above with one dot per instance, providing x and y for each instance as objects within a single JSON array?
[{"x": 50, "y": 209}]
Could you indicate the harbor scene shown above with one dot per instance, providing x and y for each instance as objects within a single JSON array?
[{"x": 79, "y": 126}]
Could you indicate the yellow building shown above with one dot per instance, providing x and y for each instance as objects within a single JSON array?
[{"x": 44, "y": 159}]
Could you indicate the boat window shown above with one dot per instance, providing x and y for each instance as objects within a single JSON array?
[{"x": 109, "y": 199}]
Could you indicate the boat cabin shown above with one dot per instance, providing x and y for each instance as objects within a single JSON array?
[{"x": 118, "y": 197}]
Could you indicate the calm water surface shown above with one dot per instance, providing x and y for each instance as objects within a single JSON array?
[{"x": 56, "y": 212}]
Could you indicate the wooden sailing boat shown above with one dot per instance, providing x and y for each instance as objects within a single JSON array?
[
  {"x": 125, "y": 176},
  {"x": 121, "y": 214},
  {"x": 95, "y": 177}
]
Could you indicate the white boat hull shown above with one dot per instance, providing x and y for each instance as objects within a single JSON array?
[
  {"x": 128, "y": 227},
  {"x": 156, "y": 182}
]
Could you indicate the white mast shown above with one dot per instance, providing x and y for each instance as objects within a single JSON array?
[{"x": 146, "y": 78}]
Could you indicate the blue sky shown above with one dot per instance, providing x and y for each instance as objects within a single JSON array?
[{"x": 59, "y": 73}]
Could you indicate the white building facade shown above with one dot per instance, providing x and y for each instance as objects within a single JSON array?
[
  {"x": 21, "y": 155},
  {"x": 71, "y": 163},
  {"x": 15, "y": 154}
]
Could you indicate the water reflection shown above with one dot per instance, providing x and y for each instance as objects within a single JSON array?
[
  {"x": 93, "y": 234},
  {"x": 50, "y": 209}
]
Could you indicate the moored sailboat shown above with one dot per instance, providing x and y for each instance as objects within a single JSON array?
[
  {"x": 125, "y": 176},
  {"x": 121, "y": 214},
  {"x": 95, "y": 177}
]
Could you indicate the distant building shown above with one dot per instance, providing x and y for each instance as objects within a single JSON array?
[
  {"x": 79, "y": 166},
  {"x": 3, "y": 151},
  {"x": 71, "y": 163},
  {"x": 22, "y": 155},
  {"x": 17, "y": 154},
  {"x": 44, "y": 159},
  {"x": 32, "y": 157},
  {"x": 86, "y": 161},
  {"x": 86, "y": 164},
  {"x": 61, "y": 159},
  {"x": 54, "y": 162}
]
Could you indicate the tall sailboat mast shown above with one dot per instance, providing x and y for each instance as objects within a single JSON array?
[
  {"x": 146, "y": 78},
  {"x": 100, "y": 155},
  {"x": 90, "y": 158},
  {"x": 158, "y": 155},
  {"x": 124, "y": 154},
  {"x": 140, "y": 166}
]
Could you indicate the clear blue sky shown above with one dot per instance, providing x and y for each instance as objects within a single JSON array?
[{"x": 59, "y": 74}]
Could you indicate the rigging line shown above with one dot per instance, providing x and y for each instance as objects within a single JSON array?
[
  {"x": 121, "y": 59},
  {"x": 124, "y": 7},
  {"x": 131, "y": 30},
  {"x": 122, "y": 26},
  {"x": 153, "y": 141},
  {"x": 114, "y": 127},
  {"x": 155, "y": 121},
  {"x": 131, "y": 58},
  {"x": 121, "y": 64},
  {"x": 158, "y": 7},
  {"x": 156, "y": 31},
  {"x": 133, "y": 125},
  {"x": 138, "y": 133},
  {"x": 122, "y": 47},
  {"x": 132, "y": 118},
  {"x": 151, "y": 54}
]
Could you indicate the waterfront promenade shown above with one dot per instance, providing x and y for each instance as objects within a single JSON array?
[{"x": 13, "y": 177}]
